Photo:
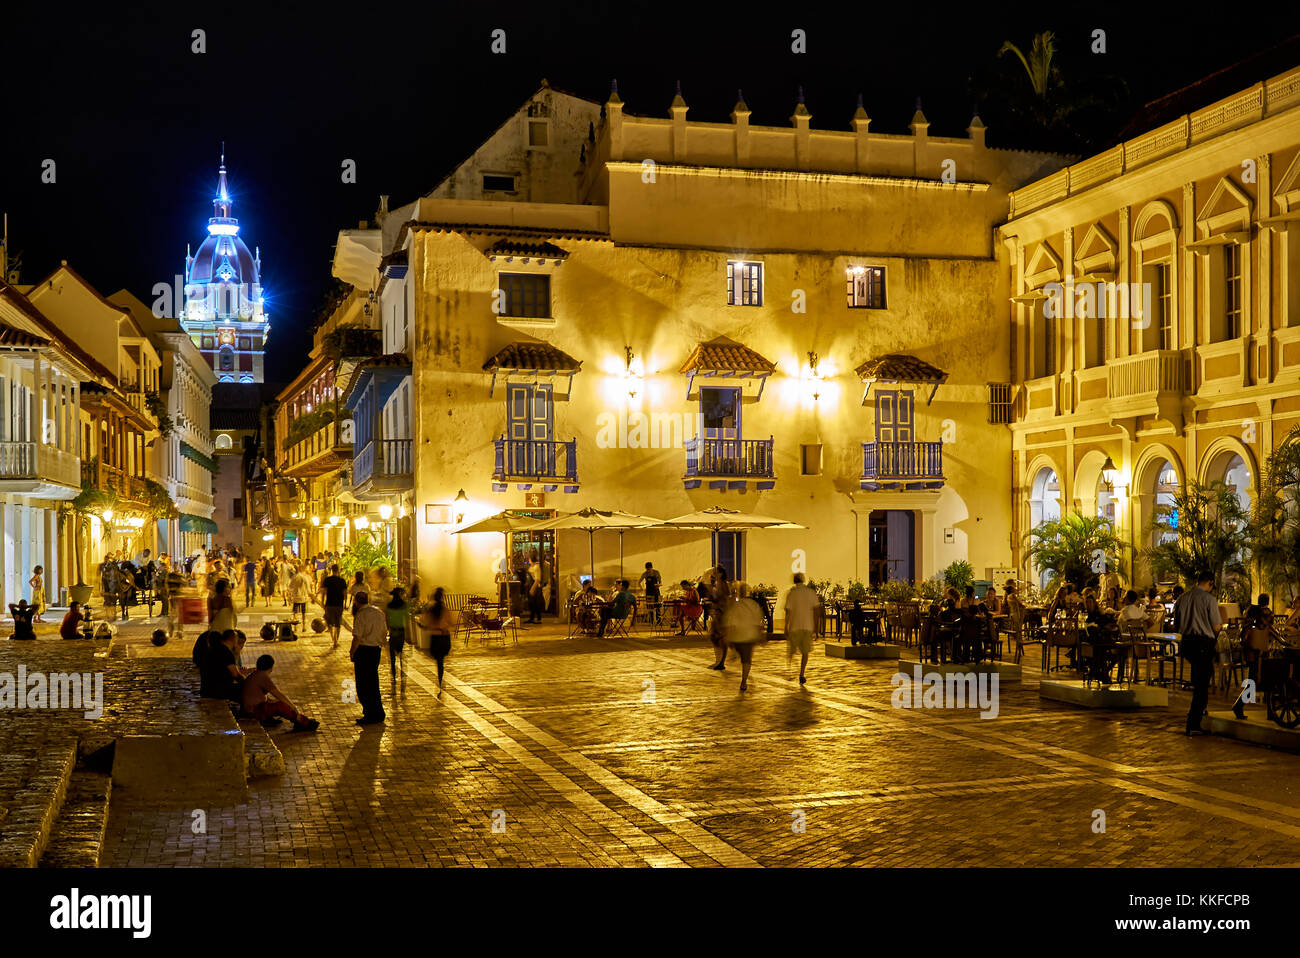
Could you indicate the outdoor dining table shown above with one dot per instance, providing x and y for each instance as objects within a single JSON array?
[{"x": 1168, "y": 643}]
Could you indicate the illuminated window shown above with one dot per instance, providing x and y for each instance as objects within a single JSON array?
[
  {"x": 224, "y": 441},
  {"x": 526, "y": 294},
  {"x": 867, "y": 287},
  {"x": 744, "y": 284}
]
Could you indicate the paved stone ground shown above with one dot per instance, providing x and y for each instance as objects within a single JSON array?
[{"x": 579, "y": 760}]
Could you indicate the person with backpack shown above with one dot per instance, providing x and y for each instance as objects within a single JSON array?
[{"x": 398, "y": 614}]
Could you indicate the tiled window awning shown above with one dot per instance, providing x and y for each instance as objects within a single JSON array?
[
  {"x": 724, "y": 358},
  {"x": 533, "y": 359},
  {"x": 900, "y": 368},
  {"x": 540, "y": 253}
]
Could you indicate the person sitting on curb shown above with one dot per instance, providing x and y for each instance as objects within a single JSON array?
[
  {"x": 22, "y": 613},
  {"x": 258, "y": 702},
  {"x": 70, "y": 627},
  {"x": 222, "y": 678}
]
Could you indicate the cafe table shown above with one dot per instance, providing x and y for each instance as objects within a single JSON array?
[{"x": 1168, "y": 643}]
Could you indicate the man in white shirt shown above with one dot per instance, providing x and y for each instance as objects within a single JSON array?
[
  {"x": 801, "y": 603},
  {"x": 369, "y": 629}
]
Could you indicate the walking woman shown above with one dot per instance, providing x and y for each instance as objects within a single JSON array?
[
  {"x": 269, "y": 580},
  {"x": 37, "y": 582},
  {"x": 436, "y": 619},
  {"x": 744, "y": 625},
  {"x": 399, "y": 622}
]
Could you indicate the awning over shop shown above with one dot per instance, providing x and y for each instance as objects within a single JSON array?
[
  {"x": 193, "y": 455},
  {"x": 726, "y": 359},
  {"x": 900, "y": 368},
  {"x": 532, "y": 359},
  {"x": 199, "y": 524}
]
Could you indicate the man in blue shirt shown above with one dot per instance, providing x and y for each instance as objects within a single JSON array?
[{"x": 623, "y": 605}]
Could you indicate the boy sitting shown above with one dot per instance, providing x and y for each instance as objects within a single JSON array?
[{"x": 257, "y": 701}]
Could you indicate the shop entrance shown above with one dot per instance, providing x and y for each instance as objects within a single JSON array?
[{"x": 524, "y": 545}]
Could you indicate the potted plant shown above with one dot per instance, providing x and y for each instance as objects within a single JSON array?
[
  {"x": 89, "y": 501},
  {"x": 1074, "y": 548}
]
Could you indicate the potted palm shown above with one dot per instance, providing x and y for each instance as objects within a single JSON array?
[{"x": 1074, "y": 548}]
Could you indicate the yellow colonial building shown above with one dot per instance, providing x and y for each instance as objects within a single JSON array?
[
  {"x": 659, "y": 315},
  {"x": 1155, "y": 293}
]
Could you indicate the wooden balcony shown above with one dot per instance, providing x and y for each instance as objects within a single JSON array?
[
  {"x": 527, "y": 462},
  {"x": 382, "y": 467},
  {"x": 729, "y": 463},
  {"x": 112, "y": 479},
  {"x": 40, "y": 470},
  {"x": 1147, "y": 384},
  {"x": 321, "y": 452},
  {"x": 902, "y": 465}
]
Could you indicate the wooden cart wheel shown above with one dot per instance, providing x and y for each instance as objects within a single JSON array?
[{"x": 1284, "y": 703}]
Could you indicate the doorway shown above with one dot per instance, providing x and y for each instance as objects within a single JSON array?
[
  {"x": 892, "y": 545},
  {"x": 541, "y": 543},
  {"x": 729, "y": 552}
]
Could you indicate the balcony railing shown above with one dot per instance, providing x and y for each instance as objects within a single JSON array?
[
  {"x": 902, "y": 462},
  {"x": 1153, "y": 372},
  {"x": 536, "y": 459},
  {"x": 323, "y": 450},
  {"x": 112, "y": 479},
  {"x": 382, "y": 459},
  {"x": 742, "y": 458},
  {"x": 28, "y": 460}
]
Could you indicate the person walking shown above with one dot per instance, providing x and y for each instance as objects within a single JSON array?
[
  {"x": 334, "y": 595},
  {"x": 250, "y": 582},
  {"x": 719, "y": 594},
  {"x": 37, "y": 582},
  {"x": 269, "y": 579},
  {"x": 369, "y": 627},
  {"x": 801, "y": 604},
  {"x": 1196, "y": 618},
  {"x": 744, "y": 625},
  {"x": 300, "y": 588},
  {"x": 536, "y": 600},
  {"x": 398, "y": 614},
  {"x": 437, "y": 620}
]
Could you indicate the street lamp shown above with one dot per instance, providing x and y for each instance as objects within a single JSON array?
[
  {"x": 385, "y": 512},
  {"x": 1109, "y": 473},
  {"x": 108, "y": 515},
  {"x": 361, "y": 522},
  {"x": 315, "y": 520},
  {"x": 334, "y": 520}
]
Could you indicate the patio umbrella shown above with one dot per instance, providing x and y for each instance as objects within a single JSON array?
[
  {"x": 504, "y": 523},
  {"x": 592, "y": 520},
  {"x": 722, "y": 519}
]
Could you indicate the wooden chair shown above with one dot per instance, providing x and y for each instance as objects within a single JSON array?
[
  {"x": 1060, "y": 635},
  {"x": 909, "y": 624}
]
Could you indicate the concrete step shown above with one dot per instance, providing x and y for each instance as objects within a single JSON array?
[
  {"x": 34, "y": 803},
  {"x": 78, "y": 833},
  {"x": 263, "y": 758}
]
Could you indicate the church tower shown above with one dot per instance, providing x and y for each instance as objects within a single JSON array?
[{"x": 224, "y": 313}]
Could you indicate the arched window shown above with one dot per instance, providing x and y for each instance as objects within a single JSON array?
[
  {"x": 1166, "y": 487},
  {"x": 224, "y": 441},
  {"x": 1044, "y": 506}
]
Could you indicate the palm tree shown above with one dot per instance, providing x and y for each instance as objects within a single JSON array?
[
  {"x": 1073, "y": 548},
  {"x": 1275, "y": 525},
  {"x": 1039, "y": 62},
  {"x": 1212, "y": 528}
]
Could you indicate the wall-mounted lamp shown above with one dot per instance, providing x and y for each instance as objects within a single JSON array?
[
  {"x": 461, "y": 497},
  {"x": 333, "y": 520},
  {"x": 385, "y": 512},
  {"x": 361, "y": 522},
  {"x": 315, "y": 520},
  {"x": 108, "y": 515},
  {"x": 268, "y": 537},
  {"x": 813, "y": 360},
  {"x": 1109, "y": 474},
  {"x": 631, "y": 378}
]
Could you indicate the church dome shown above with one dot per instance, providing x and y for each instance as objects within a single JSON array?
[{"x": 223, "y": 258}]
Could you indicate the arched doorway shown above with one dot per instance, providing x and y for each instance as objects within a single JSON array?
[
  {"x": 1163, "y": 491},
  {"x": 1044, "y": 506}
]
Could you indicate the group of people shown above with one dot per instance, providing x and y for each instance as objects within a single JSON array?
[{"x": 222, "y": 675}]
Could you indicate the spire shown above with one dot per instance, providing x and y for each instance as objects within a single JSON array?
[
  {"x": 919, "y": 124},
  {"x": 221, "y": 203},
  {"x": 613, "y": 92},
  {"x": 800, "y": 109},
  {"x": 678, "y": 100}
]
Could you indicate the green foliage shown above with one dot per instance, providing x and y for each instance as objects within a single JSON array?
[
  {"x": 763, "y": 589},
  {"x": 959, "y": 575},
  {"x": 306, "y": 425},
  {"x": 1213, "y": 530},
  {"x": 157, "y": 501},
  {"x": 1274, "y": 534},
  {"x": 856, "y": 591},
  {"x": 158, "y": 409},
  {"x": 932, "y": 588},
  {"x": 92, "y": 501},
  {"x": 350, "y": 339},
  {"x": 896, "y": 590},
  {"x": 1070, "y": 549},
  {"x": 363, "y": 555}
]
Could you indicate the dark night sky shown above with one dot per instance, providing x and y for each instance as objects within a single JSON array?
[{"x": 135, "y": 120}]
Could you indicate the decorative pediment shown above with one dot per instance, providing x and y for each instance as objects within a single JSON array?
[
  {"x": 1287, "y": 193},
  {"x": 1096, "y": 253},
  {"x": 1156, "y": 225},
  {"x": 1228, "y": 208},
  {"x": 1043, "y": 267}
]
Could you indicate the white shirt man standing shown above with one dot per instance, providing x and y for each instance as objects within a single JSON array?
[
  {"x": 801, "y": 604},
  {"x": 369, "y": 629}
]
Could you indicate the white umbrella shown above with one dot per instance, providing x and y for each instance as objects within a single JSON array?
[
  {"x": 503, "y": 522},
  {"x": 592, "y": 520},
  {"x": 722, "y": 519}
]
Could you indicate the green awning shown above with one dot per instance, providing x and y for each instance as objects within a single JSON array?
[
  {"x": 193, "y": 523},
  {"x": 192, "y": 454}
]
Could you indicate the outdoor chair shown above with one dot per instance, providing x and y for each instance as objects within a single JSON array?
[
  {"x": 1060, "y": 635},
  {"x": 492, "y": 626},
  {"x": 909, "y": 623},
  {"x": 616, "y": 627}
]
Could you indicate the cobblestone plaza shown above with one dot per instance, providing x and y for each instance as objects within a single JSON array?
[{"x": 629, "y": 752}]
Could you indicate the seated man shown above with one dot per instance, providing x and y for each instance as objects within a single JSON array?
[
  {"x": 623, "y": 605},
  {"x": 23, "y": 614},
  {"x": 258, "y": 702},
  {"x": 70, "y": 627},
  {"x": 221, "y": 677}
]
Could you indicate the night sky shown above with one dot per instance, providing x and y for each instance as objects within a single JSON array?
[{"x": 135, "y": 120}]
